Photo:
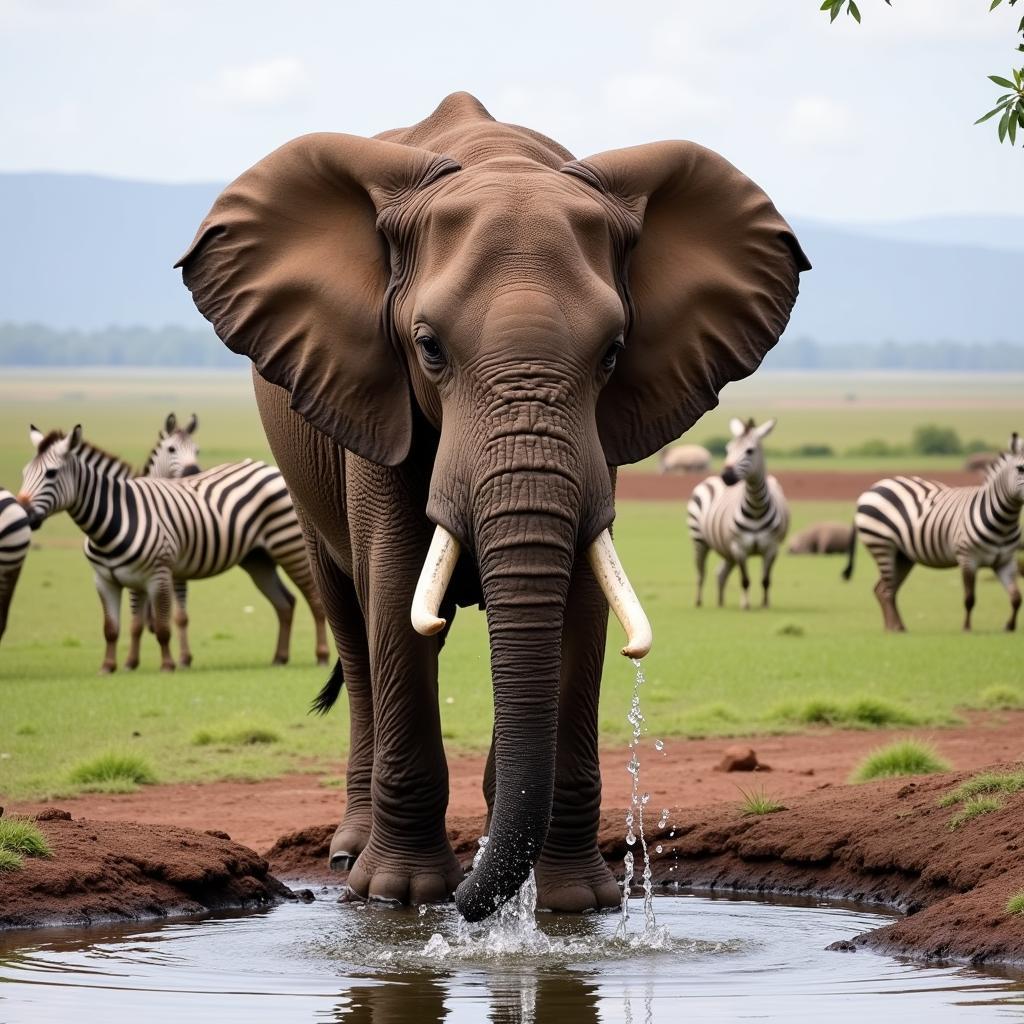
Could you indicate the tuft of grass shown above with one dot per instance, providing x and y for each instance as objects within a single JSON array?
[
  {"x": 973, "y": 807},
  {"x": 9, "y": 860},
  {"x": 790, "y": 629},
  {"x": 906, "y": 757},
  {"x": 755, "y": 802},
  {"x": 1015, "y": 904},
  {"x": 113, "y": 773},
  {"x": 236, "y": 736},
  {"x": 860, "y": 713},
  {"x": 1001, "y": 698},
  {"x": 26, "y": 730},
  {"x": 21, "y": 836},
  {"x": 985, "y": 783}
]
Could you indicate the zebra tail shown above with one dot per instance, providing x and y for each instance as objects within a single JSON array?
[
  {"x": 848, "y": 571},
  {"x": 330, "y": 692}
]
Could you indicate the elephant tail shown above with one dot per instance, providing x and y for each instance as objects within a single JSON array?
[
  {"x": 330, "y": 691},
  {"x": 851, "y": 551}
]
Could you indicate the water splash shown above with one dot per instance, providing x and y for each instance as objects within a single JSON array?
[{"x": 635, "y": 821}]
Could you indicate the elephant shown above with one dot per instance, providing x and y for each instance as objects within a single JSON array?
[
  {"x": 457, "y": 332},
  {"x": 823, "y": 539},
  {"x": 684, "y": 458}
]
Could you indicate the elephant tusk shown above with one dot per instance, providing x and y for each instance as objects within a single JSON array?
[
  {"x": 433, "y": 582},
  {"x": 620, "y": 595}
]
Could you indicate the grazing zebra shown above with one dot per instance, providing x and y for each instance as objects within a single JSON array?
[
  {"x": 145, "y": 533},
  {"x": 905, "y": 519},
  {"x": 15, "y": 535},
  {"x": 738, "y": 522}
]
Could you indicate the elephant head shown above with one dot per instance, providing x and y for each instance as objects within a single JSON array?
[{"x": 547, "y": 317}]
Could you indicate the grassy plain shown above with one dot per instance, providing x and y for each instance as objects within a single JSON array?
[{"x": 711, "y": 672}]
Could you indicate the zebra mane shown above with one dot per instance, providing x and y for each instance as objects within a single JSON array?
[
  {"x": 997, "y": 465},
  {"x": 104, "y": 461},
  {"x": 50, "y": 440}
]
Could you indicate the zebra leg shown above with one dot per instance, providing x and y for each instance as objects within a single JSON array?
[
  {"x": 768, "y": 560},
  {"x": 263, "y": 572},
  {"x": 137, "y": 599},
  {"x": 181, "y": 622},
  {"x": 161, "y": 598},
  {"x": 970, "y": 575},
  {"x": 700, "y": 552},
  {"x": 723, "y": 574},
  {"x": 110, "y": 599},
  {"x": 1007, "y": 573},
  {"x": 296, "y": 564},
  {"x": 745, "y": 584}
]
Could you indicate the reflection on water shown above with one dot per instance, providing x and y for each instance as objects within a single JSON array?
[{"x": 723, "y": 960}]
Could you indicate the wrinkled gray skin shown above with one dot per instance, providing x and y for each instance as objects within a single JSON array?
[
  {"x": 458, "y": 324},
  {"x": 822, "y": 539}
]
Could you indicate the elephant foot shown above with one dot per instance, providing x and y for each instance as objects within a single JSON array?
[
  {"x": 405, "y": 876},
  {"x": 349, "y": 840},
  {"x": 576, "y": 886}
]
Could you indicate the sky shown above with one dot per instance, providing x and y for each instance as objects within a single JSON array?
[{"x": 837, "y": 122}]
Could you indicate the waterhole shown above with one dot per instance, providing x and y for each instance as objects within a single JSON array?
[{"x": 716, "y": 960}]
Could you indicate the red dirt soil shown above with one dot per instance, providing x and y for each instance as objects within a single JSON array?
[
  {"x": 102, "y": 871},
  {"x": 683, "y": 775},
  {"x": 798, "y": 484}
]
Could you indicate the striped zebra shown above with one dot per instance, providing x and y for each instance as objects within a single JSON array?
[
  {"x": 906, "y": 520},
  {"x": 738, "y": 522},
  {"x": 145, "y": 533},
  {"x": 15, "y": 535},
  {"x": 175, "y": 453}
]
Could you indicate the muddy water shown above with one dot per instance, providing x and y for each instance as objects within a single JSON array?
[{"x": 717, "y": 960}]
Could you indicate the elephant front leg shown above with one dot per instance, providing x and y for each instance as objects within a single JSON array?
[
  {"x": 571, "y": 873},
  {"x": 407, "y": 858}
]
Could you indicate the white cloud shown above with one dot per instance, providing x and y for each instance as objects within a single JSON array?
[
  {"x": 658, "y": 94},
  {"x": 817, "y": 122},
  {"x": 274, "y": 83}
]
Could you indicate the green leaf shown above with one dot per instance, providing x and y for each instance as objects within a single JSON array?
[
  {"x": 1020, "y": 117},
  {"x": 835, "y": 12},
  {"x": 994, "y": 4},
  {"x": 1011, "y": 128},
  {"x": 991, "y": 113},
  {"x": 1002, "y": 125},
  {"x": 1016, "y": 77},
  {"x": 1004, "y": 82},
  {"x": 854, "y": 11}
]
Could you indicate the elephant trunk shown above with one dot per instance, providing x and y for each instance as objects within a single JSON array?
[{"x": 525, "y": 564}]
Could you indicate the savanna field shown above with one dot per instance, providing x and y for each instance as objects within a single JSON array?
[{"x": 817, "y": 656}]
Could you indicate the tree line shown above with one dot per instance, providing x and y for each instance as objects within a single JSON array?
[{"x": 39, "y": 345}]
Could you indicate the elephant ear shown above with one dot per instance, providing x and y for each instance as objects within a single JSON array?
[
  {"x": 712, "y": 280},
  {"x": 290, "y": 269}
]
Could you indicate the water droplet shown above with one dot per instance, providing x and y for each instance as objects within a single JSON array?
[{"x": 657, "y": 849}]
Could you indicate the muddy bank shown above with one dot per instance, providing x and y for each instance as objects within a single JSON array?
[
  {"x": 887, "y": 843},
  {"x": 103, "y": 871}
]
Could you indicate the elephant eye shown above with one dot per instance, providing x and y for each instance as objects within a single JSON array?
[
  {"x": 612, "y": 353},
  {"x": 430, "y": 349}
]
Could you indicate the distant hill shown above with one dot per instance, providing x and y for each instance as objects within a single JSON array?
[{"x": 88, "y": 253}]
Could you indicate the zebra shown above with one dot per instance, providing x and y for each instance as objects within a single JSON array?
[
  {"x": 145, "y": 533},
  {"x": 175, "y": 453},
  {"x": 15, "y": 536},
  {"x": 905, "y": 520},
  {"x": 738, "y": 522}
]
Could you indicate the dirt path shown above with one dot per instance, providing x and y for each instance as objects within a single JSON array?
[
  {"x": 799, "y": 485},
  {"x": 681, "y": 777}
]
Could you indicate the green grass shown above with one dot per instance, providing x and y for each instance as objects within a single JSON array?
[
  {"x": 23, "y": 837},
  {"x": 760, "y": 802},
  {"x": 9, "y": 860},
  {"x": 906, "y": 757},
  {"x": 236, "y": 736},
  {"x": 985, "y": 783},
  {"x": 113, "y": 773},
  {"x": 1015, "y": 904},
  {"x": 1001, "y": 698},
  {"x": 973, "y": 808},
  {"x": 817, "y": 657}
]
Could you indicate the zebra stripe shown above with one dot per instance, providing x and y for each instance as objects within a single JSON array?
[
  {"x": 151, "y": 534},
  {"x": 15, "y": 538},
  {"x": 907, "y": 520},
  {"x": 741, "y": 513}
]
